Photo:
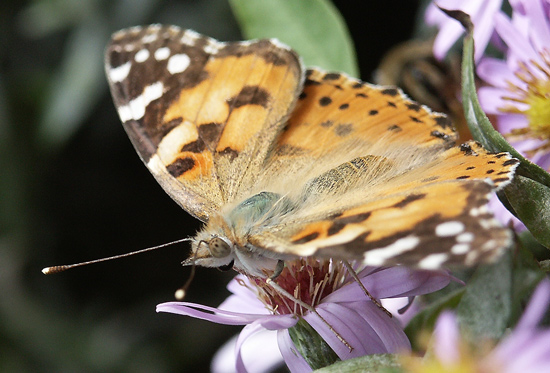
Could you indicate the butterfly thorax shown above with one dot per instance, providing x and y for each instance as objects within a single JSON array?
[{"x": 224, "y": 240}]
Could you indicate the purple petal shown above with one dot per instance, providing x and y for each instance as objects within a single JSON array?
[
  {"x": 495, "y": 72},
  {"x": 537, "y": 306},
  {"x": 539, "y": 29},
  {"x": 508, "y": 122},
  {"x": 542, "y": 159},
  {"x": 517, "y": 43},
  {"x": 394, "y": 305},
  {"x": 293, "y": 359},
  {"x": 490, "y": 99},
  {"x": 388, "y": 329},
  {"x": 250, "y": 330},
  {"x": 503, "y": 215},
  {"x": 484, "y": 28},
  {"x": 447, "y": 338},
  {"x": 264, "y": 344},
  {"x": 353, "y": 328},
  {"x": 243, "y": 298},
  {"x": 392, "y": 282},
  {"x": 213, "y": 314},
  {"x": 247, "y": 332}
]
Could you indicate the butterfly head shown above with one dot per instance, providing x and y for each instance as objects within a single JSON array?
[
  {"x": 216, "y": 246},
  {"x": 211, "y": 250}
]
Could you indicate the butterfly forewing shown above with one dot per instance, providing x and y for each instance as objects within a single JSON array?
[{"x": 202, "y": 114}]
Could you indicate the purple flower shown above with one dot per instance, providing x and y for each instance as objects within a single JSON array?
[
  {"x": 518, "y": 90},
  {"x": 481, "y": 12},
  {"x": 349, "y": 317},
  {"x": 525, "y": 349}
]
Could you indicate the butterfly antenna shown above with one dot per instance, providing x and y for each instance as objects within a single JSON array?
[
  {"x": 61, "y": 268},
  {"x": 353, "y": 274},
  {"x": 182, "y": 291}
]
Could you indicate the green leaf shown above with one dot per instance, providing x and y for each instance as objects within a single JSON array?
[
  {"x": 526, "y": 274},
  {"x": 311, "y": 345},
  {"x": 531, "y": 202},
  {"x": 485, "y": 309},
  {"x": 380, "y": 363},
  {"x": 313, "y": 28},
  {"x": 481, "y": 128}
]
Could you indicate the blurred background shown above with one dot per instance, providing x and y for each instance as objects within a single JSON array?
[{"x": 73, "y": 189}]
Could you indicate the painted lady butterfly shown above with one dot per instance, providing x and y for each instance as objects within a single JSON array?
[{"x": 282, "y": 163}]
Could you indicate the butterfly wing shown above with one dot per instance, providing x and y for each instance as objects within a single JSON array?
[
  {"x": 201, "y": 114},
  {"x": 395, "y": 189}
]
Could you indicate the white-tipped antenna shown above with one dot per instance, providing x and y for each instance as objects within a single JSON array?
[
  {"x": 182, "y": 291},
  {"x": 61, "y": 268}
]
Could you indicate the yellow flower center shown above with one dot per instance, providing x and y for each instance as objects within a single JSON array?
[
  {"x": 538, "y": 113},
  {"x": 535, "y": 96}
]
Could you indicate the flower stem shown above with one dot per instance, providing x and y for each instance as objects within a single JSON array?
[{"x": 312, "y": 346}]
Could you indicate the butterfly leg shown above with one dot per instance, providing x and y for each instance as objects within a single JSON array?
[
  {"x": 353, "y": 274},
  {"x": 278, "y": 269}
]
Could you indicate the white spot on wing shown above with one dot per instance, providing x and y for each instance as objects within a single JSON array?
[
  {"x": 379, "y": 256},
  {"x": 449, "y": 228},
  {"x": 465, "y": 237},
  {"x": 189, "y": 38},
  {"x": 278, "y": 44},
  {"x": 460, "y": 248},
  {"x": 118, "y": 74},
  {"x": 433, "y": 261},
  {"x": 142, "y": 55},
  {"x": 162, "y": 53},
  {"x": 124, "y": 113},
  {"x": 136, "y": 108},
  {"x": 149, "y": 38},
  {"x": 212, "y": 47},
  {"x": 178, "y": 63}
]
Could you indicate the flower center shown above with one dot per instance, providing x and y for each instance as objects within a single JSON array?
[
  {"x": 307, "y": 280},
  {"x": 533, "y": 98}
]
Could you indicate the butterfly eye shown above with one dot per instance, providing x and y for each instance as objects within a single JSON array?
[{"x": 219, "y": 248}]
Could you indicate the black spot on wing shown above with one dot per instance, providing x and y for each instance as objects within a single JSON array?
[
  {"x": 325, "y": 101},
  {"x": 390, "y": 92},
  {"x": 197, "y": 146},
  {"x": 343, "y": 129},
  {"x": 210, "y": 133},
  {"x": 332, "y": 76},
  {"x": 231, "y": 153},
  {"x": 305, "y": 239},
  {"x": 409, "y": 199},
  {"x": 250, "y": 95},
  {"x": 180, "y": 166},
  {"x": 340, "y": 223},
  {"x": 395, "y": 128}
]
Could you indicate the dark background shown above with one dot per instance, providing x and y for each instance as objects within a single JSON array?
[{"x": 73, "y": 189}]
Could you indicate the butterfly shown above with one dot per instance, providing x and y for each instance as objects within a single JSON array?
[{"x": 282, "y": 162}]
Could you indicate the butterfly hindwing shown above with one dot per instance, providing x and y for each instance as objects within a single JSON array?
[{"x": 396, "y": 190}]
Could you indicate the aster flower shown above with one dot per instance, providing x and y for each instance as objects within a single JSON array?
[
  {"x": 525, "y": 349},
  {"x": 352, "y": 324},
  {"x": 481, "y": 12},
  {"x": 518, "y": 90}
]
